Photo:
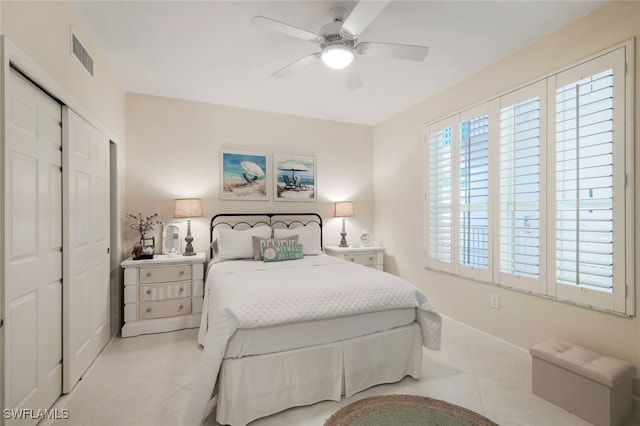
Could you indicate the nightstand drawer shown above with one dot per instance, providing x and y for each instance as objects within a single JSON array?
[
  {"x": 170, "y": 308},
  {"x": 164, "y": 291},
  {"x": 370, "y": 256},
  {"x": 366, "y": 259},
  {"x": 165, "y": 274}
]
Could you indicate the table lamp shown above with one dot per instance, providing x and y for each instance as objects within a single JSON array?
[
  {"x": 344, "y": 209},
  {"x": 188, "y": 208}
]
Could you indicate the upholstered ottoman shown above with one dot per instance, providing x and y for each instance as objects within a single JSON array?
[{"x": 595, "y": 387}]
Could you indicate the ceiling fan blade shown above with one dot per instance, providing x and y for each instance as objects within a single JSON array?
[
  {"x": 287, "y": 29},
  {"x": 391, "y": 50},
  {"x": 351, "y": 77},
  {"x": 362, "y": 14},
  {"x": 302, "y": 62}
]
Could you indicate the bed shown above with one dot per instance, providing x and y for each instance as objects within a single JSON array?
[{"x": 280, "y": 334}]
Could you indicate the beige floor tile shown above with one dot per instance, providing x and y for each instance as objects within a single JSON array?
[
  {"x": 145, "y": 380},
  {"x": 67, "y": 422},
  {"x": 448, "y": 385},
  {"x": 168, "y": 412},
  {"x": 510, "y": 403}
]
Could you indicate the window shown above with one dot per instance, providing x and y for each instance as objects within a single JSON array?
[
  {"x": 474, "y": 221},
  {"x": 547, "y": 189},
  {"x": 520, "y": 187},
  {"x": 590, "y": 201},
  {"x": 440, "y": 195},
  {"x": 474, "y": 192}
]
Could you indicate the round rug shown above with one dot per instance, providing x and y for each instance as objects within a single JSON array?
[{"x": 387, "y": 410}]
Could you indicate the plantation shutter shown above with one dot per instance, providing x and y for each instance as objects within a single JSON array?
[
  {"x": 584, "y": 182},
  {"x": 590, "y": 181},
  {"x": 440, "y": 196},
  {"x": 519, "y": 187},
  {"x": 473, "y": 191}
]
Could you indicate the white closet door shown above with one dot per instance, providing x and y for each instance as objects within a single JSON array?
[
  {"x": 33, "y": 255},
  {"x": 86, "y": 245}
]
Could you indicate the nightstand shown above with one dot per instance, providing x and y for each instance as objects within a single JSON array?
[
  {"x": 162, "y": 294},
  {"x": 372, "y": 257}
]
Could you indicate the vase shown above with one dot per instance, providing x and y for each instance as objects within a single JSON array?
[{"x": 137, "y": 250}]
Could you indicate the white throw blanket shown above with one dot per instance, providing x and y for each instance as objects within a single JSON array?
[{"x": 248, "y": 294}]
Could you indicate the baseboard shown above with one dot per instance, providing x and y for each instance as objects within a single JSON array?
[{"x": 636, "y": 398}]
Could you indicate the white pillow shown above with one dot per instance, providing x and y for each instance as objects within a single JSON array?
[
  {"x": 308, "y": 236},
  {"x": 237, "y": 244}
]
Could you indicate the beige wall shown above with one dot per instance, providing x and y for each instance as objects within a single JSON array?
[
  {"x": 522, "y": 319},
  {"x": 173, "y": 151},
  {"x": 42, "y": 30}
]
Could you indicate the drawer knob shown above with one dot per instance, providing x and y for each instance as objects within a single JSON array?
[
  {"x": 149, "y": 273},
  {"x": 181, "y": 272},
  {"x": 149, "y": 291},
  {"x": 148, "y": 309},
  {"x": 181, "y": 290},
  {"x": 180, "y": 307},
  {"x": 370, "y": 257},
  {"x": 352, "y": 259}
]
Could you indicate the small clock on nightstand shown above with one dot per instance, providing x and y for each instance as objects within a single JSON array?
[{"x": 366, "y": 239}]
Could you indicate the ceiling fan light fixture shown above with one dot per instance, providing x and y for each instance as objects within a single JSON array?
[{"x": 337, "y": 56}]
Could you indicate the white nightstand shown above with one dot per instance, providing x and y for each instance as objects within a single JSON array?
[
  {"x": 162, "y": 294},
  {"x": 372, "y": 257}
]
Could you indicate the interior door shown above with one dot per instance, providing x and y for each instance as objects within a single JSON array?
[
  {"x": 86, "y": 242},
  {"x": 33, "y": 247}
]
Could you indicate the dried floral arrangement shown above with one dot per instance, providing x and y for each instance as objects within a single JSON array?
[{"x": 143, "y": 224}]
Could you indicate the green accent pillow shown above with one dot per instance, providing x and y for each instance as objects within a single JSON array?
[
  {"x": 283, "y": 252},
  {"x": 259, "y": 243}
]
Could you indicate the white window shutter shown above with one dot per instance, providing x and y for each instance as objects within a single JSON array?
[
  {"x": 439, "y": 198},
  {"x": 473, "y": 195},
  {"x": 520, "y": 222},
  {"x": 589, "y": 183}
]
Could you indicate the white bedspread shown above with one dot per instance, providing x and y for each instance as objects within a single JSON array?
[{"x": 246, "y": 294}]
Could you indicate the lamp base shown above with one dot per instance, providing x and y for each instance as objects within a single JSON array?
[
  {"x": 343, "y": 234},
  {"x": 188, "y": 250}
]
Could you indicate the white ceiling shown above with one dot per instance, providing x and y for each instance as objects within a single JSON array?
[{"x": 208, "y": 51}]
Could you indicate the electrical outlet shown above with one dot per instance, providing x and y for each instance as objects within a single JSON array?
[{"x": 494, "y": 301}]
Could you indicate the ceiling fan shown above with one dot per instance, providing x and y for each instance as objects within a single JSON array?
[{"x": 339, "y": 43}]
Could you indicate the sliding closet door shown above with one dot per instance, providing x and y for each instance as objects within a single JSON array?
[
  {"x": 86, "y": 242},
  {"x": 33, "y": 242}
]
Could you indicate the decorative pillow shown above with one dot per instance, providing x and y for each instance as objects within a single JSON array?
[
  {"x": 283, "y": 252},
  {"x": 259, "y": 243},
  {"x": 237, "y": 244},
  {"x": 308, "y": 236}
]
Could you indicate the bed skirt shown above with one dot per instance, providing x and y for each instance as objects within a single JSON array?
[{"x": 260, "y": 385}]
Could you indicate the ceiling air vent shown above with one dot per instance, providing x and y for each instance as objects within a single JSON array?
[{"x": 81, "y": 53}]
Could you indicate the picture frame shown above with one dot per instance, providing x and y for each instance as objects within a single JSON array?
[
  {"x": 244, "y": 175},
  {"x": 172, "y": 237},
  {"x": 295, "y": 178}
]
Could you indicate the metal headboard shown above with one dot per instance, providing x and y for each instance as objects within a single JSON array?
[{"x": 233, "y": 220}]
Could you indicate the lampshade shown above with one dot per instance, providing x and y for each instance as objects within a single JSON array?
[
  {"x": 344, "y": 209},
  {"x": 337, "y": 56},
  {"x": 187, "y": 207}
]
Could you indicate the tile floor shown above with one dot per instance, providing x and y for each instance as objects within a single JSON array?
[{"x": 145, "y": 380}]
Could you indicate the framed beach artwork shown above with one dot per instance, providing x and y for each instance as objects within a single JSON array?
[
  {"x": 244, "y": 175},
  {"x": 294, "y": 178}
]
